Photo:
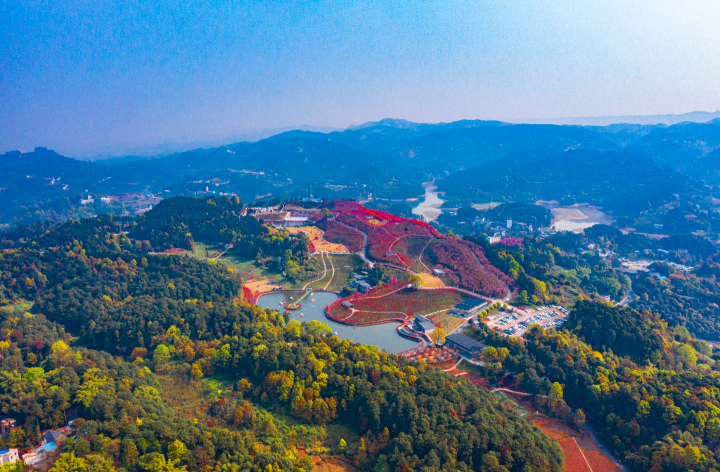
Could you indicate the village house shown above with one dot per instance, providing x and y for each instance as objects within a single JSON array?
[{"x": 9, "y": 456}]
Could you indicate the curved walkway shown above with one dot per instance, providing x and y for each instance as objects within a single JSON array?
[{"x": 322, "y": 276}]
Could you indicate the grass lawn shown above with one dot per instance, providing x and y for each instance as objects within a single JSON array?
[
  {"x": 447, "y": 322},
  {"x": 345, "y": 265},
  {"x": 502, "y": 398},
  {"x": 20, "y": 307}
]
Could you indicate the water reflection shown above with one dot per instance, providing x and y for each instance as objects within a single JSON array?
[{"x": 383, "y": 336}]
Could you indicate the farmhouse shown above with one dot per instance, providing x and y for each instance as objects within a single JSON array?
[
  {"x": 9, "y": 456},
  {"x": 465, "y": 344},
  {"x": 422, "y": 324},
  {"x": 6, "y": 425},
  {"x": 470, "y": 307},
  {"x": 346, "y": 304},
  {"x": 363, "y": 286},
  {"x": 439, "y": 273}
]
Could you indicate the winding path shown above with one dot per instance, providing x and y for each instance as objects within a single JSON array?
[{"x": 322, "y": 276}]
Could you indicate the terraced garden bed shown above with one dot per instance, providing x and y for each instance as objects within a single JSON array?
[{"x": 393, "y": 301}]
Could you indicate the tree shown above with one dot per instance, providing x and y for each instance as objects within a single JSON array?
[
  {"x": 361, "y": 455},
  {"x": 176, "y": 450},
  {"x": 161, "y": 354},
  {"x": 342, "y": 446},
  {"x": 416, "y": 281},
  {"x": 556, "y": 391},
  {"x": 69, "y": 463},
  {"x": 438, "y": 336},
  {"x": 196, "y": 370}
]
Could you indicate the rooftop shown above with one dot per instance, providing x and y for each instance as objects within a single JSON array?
[
  {"x": 465, "y": 342},
  {"x": 470, "y": 303}
]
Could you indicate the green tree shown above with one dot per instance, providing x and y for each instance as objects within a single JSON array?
[
  {"x": 556, "y": 391},
  {"x": 176, "y": 450},
  {"x": 438, "y": 336},
  {"x": 67, "y": 462}
]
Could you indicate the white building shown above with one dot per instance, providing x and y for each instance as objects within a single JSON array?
[
  {"x": 9, "y": 456},
  {"x": 509, "y": 224}
]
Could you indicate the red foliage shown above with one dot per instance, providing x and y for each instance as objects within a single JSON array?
[
  {"x": 392, "y": 302},
  {"x": 382, "y": 238},
  {"x": 466, "y": 264},
  {"x": 340, "y": 234},
  {"x": 509, "y": 242}
]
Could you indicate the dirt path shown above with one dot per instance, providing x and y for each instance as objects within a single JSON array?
[
  {"x": 332, "y": 276},
  {"x": 321, "y": 277}
]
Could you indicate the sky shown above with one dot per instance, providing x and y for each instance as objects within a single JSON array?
[{"x": 112, "y": 77}]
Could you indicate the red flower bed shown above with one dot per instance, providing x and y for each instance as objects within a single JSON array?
[
  {"x": 339, "y": 234},
  {"x": 392, "y": 302},
  {"x": 467, "y": 265},
  {"x": 382, "y": 239}
]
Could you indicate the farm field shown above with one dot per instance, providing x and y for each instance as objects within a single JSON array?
[{"x": 394, "y": 302}]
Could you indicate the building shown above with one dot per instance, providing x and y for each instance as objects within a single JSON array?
[
  {"x": 465, "y": 344},
  {"x": 9, "y": 456},
  {"x": 363, "y": 286},
  {"x": 6, "y": 425},
  {"x": 439, "y": 273},
  {"x": 38, "y": 455},
  {"x": 509, "y": 224},
  {"x": 422, "y": 324},
  {"x": 346, "y": 304},
  {"x": 470, "y": 307},
  {"x": 492, "y": 239},
  {"x": 294, "y": 221},
  {"x": 54, "y": 437}
]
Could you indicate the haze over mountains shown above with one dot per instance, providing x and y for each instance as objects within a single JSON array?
[
  {"x": 668, "y": 119},
  {"x": 386, "y": 159}
]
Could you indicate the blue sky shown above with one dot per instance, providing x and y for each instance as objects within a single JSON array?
[{"x": 85, "y": 77}]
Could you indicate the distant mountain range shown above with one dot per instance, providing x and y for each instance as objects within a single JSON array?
[
  {"x": 693, "y": 116},
  {"x": 387, "y": 159}
]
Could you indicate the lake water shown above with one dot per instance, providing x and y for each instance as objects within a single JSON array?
[
  {"x": 383, "y": 336},
  {"x": 430, "y": 206},
  {"x": 592, "y": 216},
  {"x": 572, "y": 225}
]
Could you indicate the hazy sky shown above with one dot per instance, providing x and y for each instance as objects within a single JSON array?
[{"x": 90, "y": 76}]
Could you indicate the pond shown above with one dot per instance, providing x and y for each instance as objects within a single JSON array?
[{"x": 383, "y": 336}]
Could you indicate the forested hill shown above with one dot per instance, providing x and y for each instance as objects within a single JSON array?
[
  {"x": 177, "y": 222},
  {"x": 388, "y": 160},
  {"x": 169, "y": 369},
  {"x": 617, "y": 181}
]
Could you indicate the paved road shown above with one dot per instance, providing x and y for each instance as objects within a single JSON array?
[{"x": 627, "y": 299}]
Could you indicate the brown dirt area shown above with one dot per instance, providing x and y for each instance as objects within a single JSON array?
[
  {"x": 316, "y": 238},
  {"x": 580, "y": 448},
  {"x": 330, "y": 464},
  {"x": 561, "y": 214},
  {"x": 260, "y": 285},
  {"x": 430, "y": 280},
  {"x": 582, "y": 453}
]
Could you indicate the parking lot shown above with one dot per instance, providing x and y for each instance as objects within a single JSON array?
[{"x": 515, "y": 323}]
